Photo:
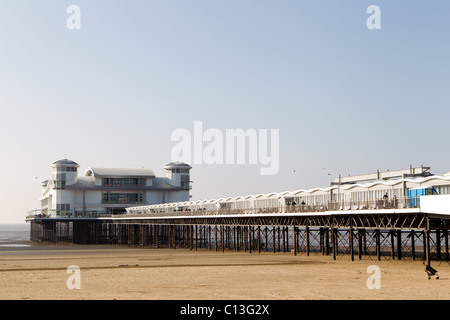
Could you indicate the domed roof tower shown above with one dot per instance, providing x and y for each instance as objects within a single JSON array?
[
  {"x": 179, "y": 174},
  {"x": 65, "y": 172}
]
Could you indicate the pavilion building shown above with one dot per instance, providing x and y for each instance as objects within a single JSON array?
[{"x": 103, "y": 191}]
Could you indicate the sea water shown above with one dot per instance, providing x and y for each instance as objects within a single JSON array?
[{"x": 15, "y": 235}]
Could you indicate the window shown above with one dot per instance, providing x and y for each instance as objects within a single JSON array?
[
  {"x": 113, "y": 197},
  {"x": 60, "y": 176},
  {"x": 123, "y": 182},
  {"x": 59, "y": 184},
  {"x": 62, "y": 208},
  {"x": 122, "y": 197},
  {"x": 66, "y": 169},
  {"x": 185, "y": 179},
  {"x": 60, "y": 181}
]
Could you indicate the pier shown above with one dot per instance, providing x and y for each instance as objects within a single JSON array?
[
  {"x": 366, "y": 234},
  {"x": 402, "y": 214}
]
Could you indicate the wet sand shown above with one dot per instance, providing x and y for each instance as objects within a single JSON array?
[{"x": 134, "y": 274}]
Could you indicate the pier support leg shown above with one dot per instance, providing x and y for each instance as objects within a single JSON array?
[
  {"x": 141, "y": 236},
  {"x": 191, "y": 237},
  {"x": 360, "y": 244},
  {"x": 156, "y": 235},
  {"x": 274, "y": 239},
  {"x": 234, "y": 238},
  {"x": 333, "y": 241},
  {"x": 222, "y": 237},
  {"x": 365, "y": 241},
  {"x": 427, "y": 243},
  {"x": 322, "y": 241},
  {"x": 209, "y": 237},
  {"x": 250, "y": 239},
  {"x": 295, "y": 241},
  {"x": 196, "y": 237},
  {"x": 238, "y": 238},
  {"x": 427, "y": 247},
  {"x": 351, "y": 244},
  {"x": 215, "y": 238},
  {"x": 392, "y": 244},
  {"x": 438, "y": 244},
  {"x": 244, "y": 237},
  {"x": 378, "y": 244},
  {"x": 399, "y": 244},
  {"x": 327, "y": 241},
  {"x": 266, "y": 234},
  {"x": 287, "y": 239},
  {"x": 307, "y": 241},
  {"x": 279, "y": 240},
  {"x": 335, "y": 244},
  {"x": 227, "y": 237},
  {"x": 259, "y": 238},
  {"x": 446, "y": 244},
  {"x": 423, "y": 246}
]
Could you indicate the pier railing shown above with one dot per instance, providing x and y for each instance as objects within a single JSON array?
[
  {"x": 352, "y": 205},
  {"x": 380, "y": 204}
]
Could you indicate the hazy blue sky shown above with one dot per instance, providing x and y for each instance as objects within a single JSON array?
[{"x": 346, "y": 99}]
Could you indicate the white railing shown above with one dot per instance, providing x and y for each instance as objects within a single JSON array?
[{"x": 386, "y": 203}]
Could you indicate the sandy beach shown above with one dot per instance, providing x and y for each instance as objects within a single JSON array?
[{"x": 132, "y": 273}]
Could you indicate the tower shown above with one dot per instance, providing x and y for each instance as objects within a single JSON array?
[
  {"x": 179, "y": 174},
  {"x": 64, "y": 173}
]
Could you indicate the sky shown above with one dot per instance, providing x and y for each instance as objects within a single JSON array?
[{"x": 345, "y": 99}]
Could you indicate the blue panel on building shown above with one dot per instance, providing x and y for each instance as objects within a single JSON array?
[{"x": 414, "y": 195}]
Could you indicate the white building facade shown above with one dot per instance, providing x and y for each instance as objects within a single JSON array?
[{"x": 103, "y": 191}]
